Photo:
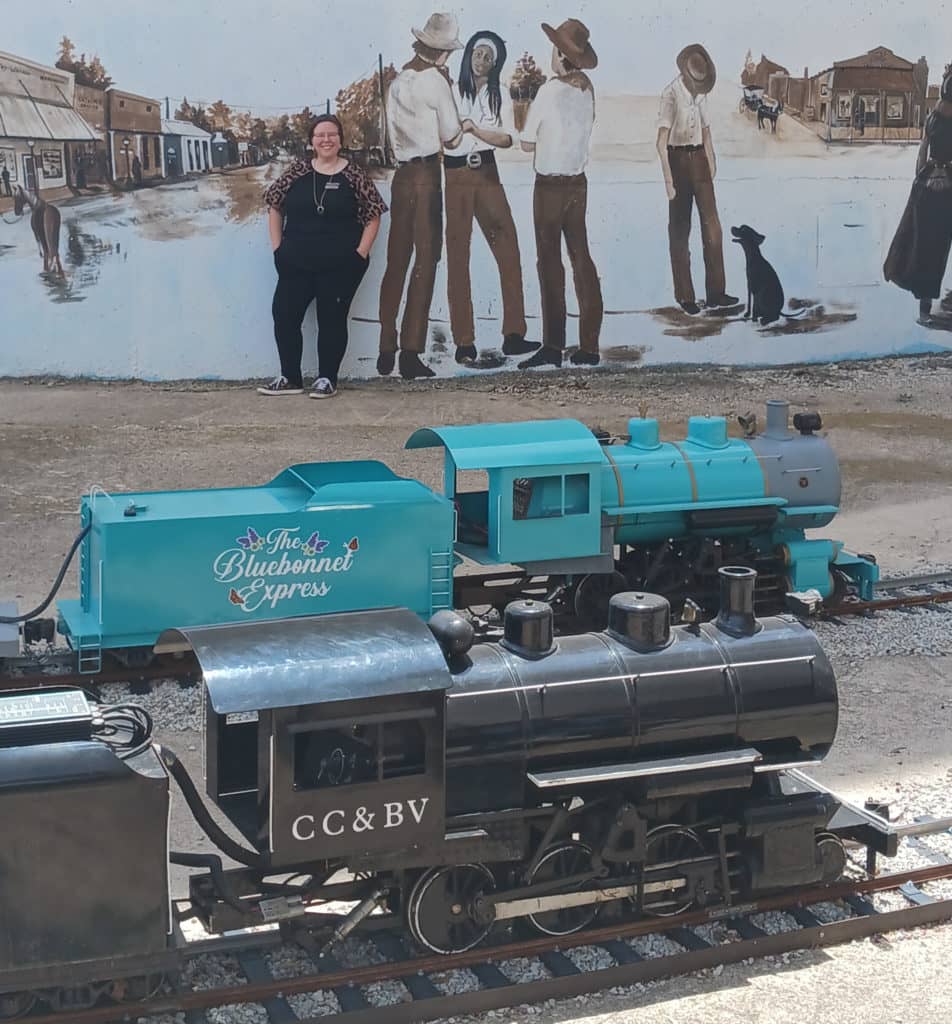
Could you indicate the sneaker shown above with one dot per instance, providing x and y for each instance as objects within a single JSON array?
[
  {"x": 385, "y": 363},
  {"x": 717, "y": 301},
  {"x": 544, "y": 357},
  {"x": 466, "y": 354},
  {"x": 323, "y": 389},
  {"x": 582, "y": 358},
  {"x": 280, "y": 386},
  {"x": 516, "y": 345},
  {"x": 691, "y": 308}
]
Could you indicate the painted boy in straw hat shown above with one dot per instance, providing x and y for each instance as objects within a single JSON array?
[
  {"x": 421, "y": 118},
  {"x": 686, "y": 150},
  {"x": 558, "y": 131}
]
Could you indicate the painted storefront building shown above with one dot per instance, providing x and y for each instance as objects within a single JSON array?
[
  {"x": 37, "y": 123},
  {"x": 600, "y": 185}
]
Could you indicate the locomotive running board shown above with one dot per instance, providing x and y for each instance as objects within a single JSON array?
[{"x": 733, "y": 769}]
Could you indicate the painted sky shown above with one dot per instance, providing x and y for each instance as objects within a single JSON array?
[{"x": 252, "y": 54}]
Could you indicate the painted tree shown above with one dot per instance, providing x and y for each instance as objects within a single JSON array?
[
  {"x": 67, "y": 53},
  {"x": 196, "y": 115},
  {"x": 748, "y": 75},
  {"x": 88, "y": 72},
  {"x": 527, "y": 79},
  {"x": 360, "y": 111},
  {"x": 244, "y": 125},
  {"x": 281, "y": 135},
  {"x": 220, "y": 116},
  {"x": 260, "y": 135}
]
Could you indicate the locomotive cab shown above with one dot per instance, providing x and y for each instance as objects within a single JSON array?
[
  {"x": 541, "y": 507},
  {"x": 306, "y": 769}
]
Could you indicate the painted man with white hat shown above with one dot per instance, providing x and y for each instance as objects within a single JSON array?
[
  {"x": 421, "y": 118},
  {"x": 558, "y": 131},
  {"x": 686, "y": 150}
]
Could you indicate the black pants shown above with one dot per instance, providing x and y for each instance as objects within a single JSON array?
[{"x": 333, "y": 291}]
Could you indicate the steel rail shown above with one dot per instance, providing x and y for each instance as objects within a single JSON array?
[
  {"x": 183, "y": 670},
  {"x": 887, "y": 603}
]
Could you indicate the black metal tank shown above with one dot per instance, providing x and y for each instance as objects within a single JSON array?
[{"x": 638, "y": 691}]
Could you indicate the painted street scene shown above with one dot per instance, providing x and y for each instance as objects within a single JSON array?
[{"x": 627, "y": 231}]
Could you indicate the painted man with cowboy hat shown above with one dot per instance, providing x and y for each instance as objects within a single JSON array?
[
  {"x": 558, "y": 131},
  {"x": 688, "y": 163},
  {"x": 421, "y": 118}
]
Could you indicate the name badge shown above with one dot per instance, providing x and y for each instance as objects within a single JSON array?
[{"x": 332, "y": 185}]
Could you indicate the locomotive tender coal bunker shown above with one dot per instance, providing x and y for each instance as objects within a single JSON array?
[
  {"x": 557, "y": 516},
  {"x": 367, "y": 757}
]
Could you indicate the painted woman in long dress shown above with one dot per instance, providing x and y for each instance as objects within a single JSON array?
[
  {"x": 474, "y": 192},
  {"x": 919, "y": 253}
]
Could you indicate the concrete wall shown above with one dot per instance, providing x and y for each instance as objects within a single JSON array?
[{"x": 175, "y": 279}]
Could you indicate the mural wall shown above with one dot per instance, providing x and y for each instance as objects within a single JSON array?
[{"x": 564, "y": 187}]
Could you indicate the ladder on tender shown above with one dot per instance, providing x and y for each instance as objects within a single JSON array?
[
  {"x": 441, "y": 580},
  {"x": 89, "y": 654}
]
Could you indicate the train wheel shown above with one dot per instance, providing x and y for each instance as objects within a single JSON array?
[
  {"x": 80, "y": 997},
  {"x": 570, "y": 858},
  {"x": 138, "y": 989},
  {"x": 14, "y": 1005},
  {"x": 841, "y": 584},
  {"x": 440, "y": 910},
  {"x": 666, "y": 888},
  {"x": 593, "y": 594},
  {"x": 832, "y": 856}
]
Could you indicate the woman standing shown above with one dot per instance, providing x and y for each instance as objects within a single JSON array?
[
  {"x": 474, "y": 191},
  {"x": 323, "y": 218},
  {"x": 919, "y": 252}
]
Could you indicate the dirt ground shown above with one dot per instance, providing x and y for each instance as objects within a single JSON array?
[{"x": 889, "y": 420}]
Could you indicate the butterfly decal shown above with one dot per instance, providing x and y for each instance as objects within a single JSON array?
[
  {"x": 352, "y": 544},
  {"x": 314, "y": 545},
  {"x": 251, "y": 541},
  {"x": 235, "y": 597}
]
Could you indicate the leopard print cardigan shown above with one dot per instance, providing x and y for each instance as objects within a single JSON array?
[{"x": 370, "y": 203}]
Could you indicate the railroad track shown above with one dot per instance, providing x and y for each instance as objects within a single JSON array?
[
  {"x": 900, "y": 592},
  {"x": 57, "y": 671},
  {"x": 737, "y": 937}
]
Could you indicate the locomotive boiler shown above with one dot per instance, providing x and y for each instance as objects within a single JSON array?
[{"x": 374, "y": 760}]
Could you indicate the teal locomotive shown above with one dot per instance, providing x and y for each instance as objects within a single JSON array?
[{"x": 555, "y": 512}]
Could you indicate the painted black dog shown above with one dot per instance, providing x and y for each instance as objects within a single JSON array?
[
  {"x": 766, "y": 112},
  {"x": 764, "y": 292}
]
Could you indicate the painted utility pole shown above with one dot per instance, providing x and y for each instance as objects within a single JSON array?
[{"x": 384, "y": 140}]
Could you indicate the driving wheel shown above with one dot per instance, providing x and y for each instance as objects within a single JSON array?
[
  {"x": 570, "y": 858},
  {"x": 440, "y": 911},
  {"x": 666, "y": 887}
]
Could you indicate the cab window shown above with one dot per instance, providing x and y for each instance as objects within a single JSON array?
[
  {"x": 550, "y": 497},
  {"x": 358, "y": 752}
]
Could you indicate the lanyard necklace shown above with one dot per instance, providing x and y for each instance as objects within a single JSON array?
[{"x": 318, "y": 203}]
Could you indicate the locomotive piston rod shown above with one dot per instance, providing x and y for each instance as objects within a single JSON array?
[
  {"x": 488, "y": 909},
  {"x": 541, "y": 904}
]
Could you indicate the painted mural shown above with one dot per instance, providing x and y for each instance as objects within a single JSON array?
[{"x": 562, "y": 188}]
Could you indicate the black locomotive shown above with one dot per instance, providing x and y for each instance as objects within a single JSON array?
[{"x": 370, "y": 758}]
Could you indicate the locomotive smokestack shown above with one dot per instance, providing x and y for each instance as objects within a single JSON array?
[
  {"x": 736, "y": 617},
  {"x": 777, "y": 414}
]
